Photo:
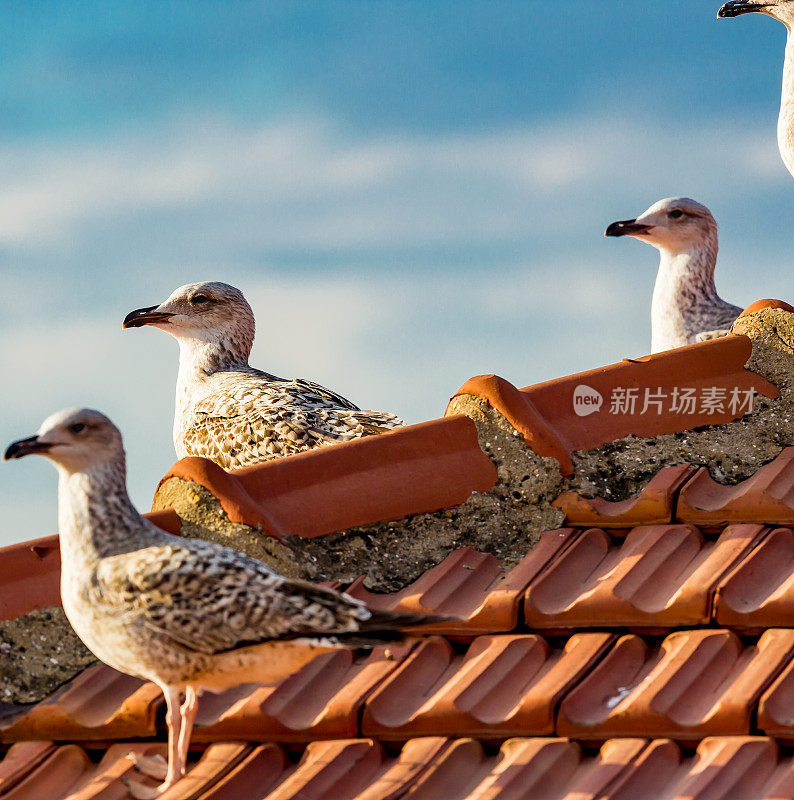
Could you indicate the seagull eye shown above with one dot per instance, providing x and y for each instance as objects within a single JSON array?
[
  {"x": 199, "y": 299},
  {"x": 77, "y": 427},
  {"x": 676, "y": 213}
]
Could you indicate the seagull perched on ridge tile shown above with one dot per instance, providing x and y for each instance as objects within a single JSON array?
[
  {"x": 226, "y": 410},
  {"x": 183, "y": 613},
  {"x": 783, "y": 11},
  {"x": 686, "y": 307}
]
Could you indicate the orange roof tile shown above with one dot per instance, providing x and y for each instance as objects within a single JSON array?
[
  {"x": 545, "y": 413},
  {"x": 697, "y": 683},
  {"x": 652, "y": 506},
  {"x": 766, "y": 497},
  {"x": 420, "y": 468},
  {"x": 660, "y": 576},
  {"x": 503, "y": 685},
  {"x": 759, "y": 591}
]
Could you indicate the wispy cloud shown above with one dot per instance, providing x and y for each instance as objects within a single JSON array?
[{"x": 89, "y": 231}]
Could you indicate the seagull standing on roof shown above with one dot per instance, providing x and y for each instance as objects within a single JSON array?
[
  {"x": 686, "y": 307},
  {"x": 183, "y": 613},
  {"x": 782, "y": 10},
  {"x": 226, "y": 410}
]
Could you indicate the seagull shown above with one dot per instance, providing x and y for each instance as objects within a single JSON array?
[
  {"x": 782, "y": 10},
  {"x": 185, "y": 614},
  {"x": 686, "y": 307},
  {"x": 226, "y": 410}
]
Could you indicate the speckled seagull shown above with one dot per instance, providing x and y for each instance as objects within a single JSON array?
[
  {"x": 228, "y": 411},
  {"x": 685, "y": 307},
  {"x": 782, "y": 10},
  {"x": 183, "y": 613}
]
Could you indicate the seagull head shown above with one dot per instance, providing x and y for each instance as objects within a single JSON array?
[
  {"x": 782, "y": 10},
  {"x": 211, "y": 312},
  {"x": 675, "y": 225},
  {"x": 76, "y": 439}
]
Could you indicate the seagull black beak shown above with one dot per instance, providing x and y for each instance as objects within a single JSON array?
[
  {"x": 25, "y": 447},
  {"x": 736, "y": 8},
  {"x": 145, "y": 316},
  {"x": 627, "y": 227}
]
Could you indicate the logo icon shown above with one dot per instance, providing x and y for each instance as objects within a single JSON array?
[{"x": 586, "y": 400}]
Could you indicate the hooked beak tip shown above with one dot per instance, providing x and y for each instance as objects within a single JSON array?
[
  {"x": 627, "y": 227},
  {"x": 145, "y": 316},
  {"x": 25, "y": 447},
  {"x": 736, "y": 8}
]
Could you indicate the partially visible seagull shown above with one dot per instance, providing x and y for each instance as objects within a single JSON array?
[
  {"x": 226, "y": 410},
  {"x": 782, "y": 10},
  {"x": 686, "y": 307},
  {"x": 183, "y": 613}
]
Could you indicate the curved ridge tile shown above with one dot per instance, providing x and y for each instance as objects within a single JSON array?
[
  {"x": 547, "y": 411},
  {"x": 698, "y": 683},
  {"x": 766, "y": 497},
  {"x": 653, "y": 506},
  {"x": 503, "y": 685},
  {"x": 471, "y": 586},
  {"x": 412, "y": 470},
  {"x": 659, "y": 576},
  {"x": 517, "y": 408}
]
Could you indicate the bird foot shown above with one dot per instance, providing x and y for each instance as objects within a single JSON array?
[
  {"x": 145, "y": 791},
  {"x": 152, "y": 766}
]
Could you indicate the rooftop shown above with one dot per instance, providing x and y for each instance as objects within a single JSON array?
[{"x": 639, "y": 646}]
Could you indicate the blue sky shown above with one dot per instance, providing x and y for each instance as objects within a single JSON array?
[{"x": 409, "y": 193}]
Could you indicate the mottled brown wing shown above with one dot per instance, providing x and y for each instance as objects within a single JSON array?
[{"x": 211, "y": 599}]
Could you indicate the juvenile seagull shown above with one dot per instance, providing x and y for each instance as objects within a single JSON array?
[
  {"x": 183, "y": 613},
  {"x": 686, "y": 307},
  {"x": 782, "y": 10},
  {"x": 228, "y": 411}
]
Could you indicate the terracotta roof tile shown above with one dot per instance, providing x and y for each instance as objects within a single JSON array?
[
  {"x": 321, "y": 701},
  {"x": 471, "y": 586},
  {"x": 776, "y": 707},
  {"x": 100, "y": 703},
  {"x": 765, "y": 497},
  {"x": 653, "y": 506},
  {"x": 54, "y": 776},
  {"x": 434, "y": 768},
  {"x": 697, "y": 683},
  {"x": 104, "y": 780},
  {"x": 544, "y": 413},
  {"x": 20, "y": 760},
  {"x": 411, "y": 470},
  {"x": 759, "y": 592},
  {"x": 502, "y": 685},
  {"x": 660, "y": 576},
  {"x": 759, "y": 305}
]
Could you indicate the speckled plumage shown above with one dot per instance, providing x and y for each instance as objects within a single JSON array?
[
  {"x": 685, "y": 307},
  {"x": 231, "y": 413},
  {"x": 184, "y": 613}
]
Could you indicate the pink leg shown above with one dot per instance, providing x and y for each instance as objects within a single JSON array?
[
  {"x": 176, "y": 765},
  {"x": 188, "y": 713}
]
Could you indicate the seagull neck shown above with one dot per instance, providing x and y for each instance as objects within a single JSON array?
[
  {"x": 199, "y": 359},
  {"x": 95, "y": 516},
  {"x": 785, "y": 123},
  {"x": 687, "y": 276}
]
